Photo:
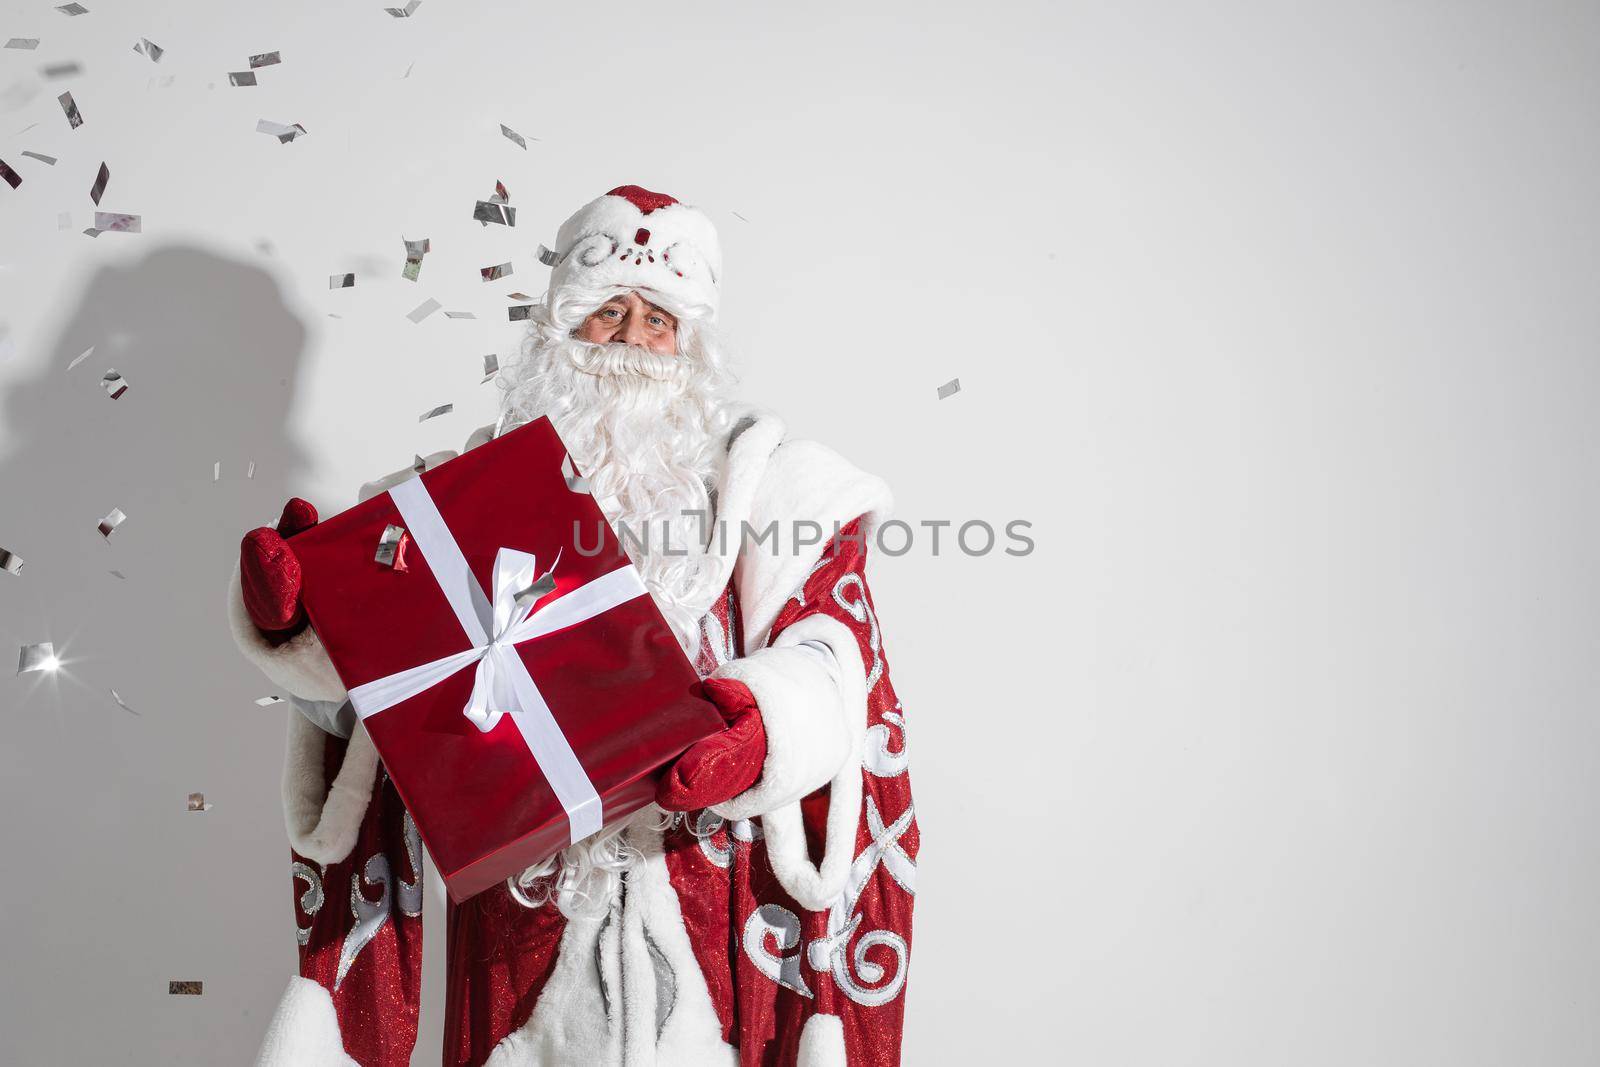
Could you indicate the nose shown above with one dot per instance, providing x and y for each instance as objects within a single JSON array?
[{"x": 633, "y": 332}]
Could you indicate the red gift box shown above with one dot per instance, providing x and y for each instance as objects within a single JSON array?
[{"x": 514, "y": 716}]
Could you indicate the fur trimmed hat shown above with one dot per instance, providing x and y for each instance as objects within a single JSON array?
[{"x": 642, "y": 240}]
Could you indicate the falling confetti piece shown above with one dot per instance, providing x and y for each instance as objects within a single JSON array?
[
  {"x": 197, "y": 802},
  {"x": 72, "y": 9},
  {"x": 40, "y": 657},
  {"x": 547, "y": 257},
  {"x": 514, "y": 137},
  {"x": 491, "y": 366},
  {"x": 98, "y": 189},
  {"x": 122, "y": 703},
  {"x": 147, "y": 47},
  {"x": 460, "y": 315},
  {"x": 407, "y": 74},
  {"x": 576, "y": 482},
  {"x": 404, "y": 12},
  {"x": 61, "y": 70},
  {"x": 109, "y": 524},
  {"x": 10, "y": 562},
  {"x": 392, "y": 547},
  {"x": 434, "y": 413},
  {"x": 265, "y": 59},
  {"x": 423, "y": 310},
  {"x": 216, "y": 471},
  {"x": 487, "y": 211},
  {"x": 74, "y": 116},
  {"x": 268, "y": 701},
  {"x": 241, "y": 77},
  {"x": 118, "y": 574},
  {"x": 185, "y": 989},
  {"x": 11, "y": 177},
  {"x": 950, "y": 388},
  {"x": 49, "y": 161},
  {"x": 496, "y": 272},
  {"x": 26, "y": 44},
  {"x": 250, "y": 471},
  {"x": 341, "y": 281},
  {"x": 519, "y": 312},
  {"x": 114, "y": 384},
  {"x": 740, "y": 217},
  {"x": 415, "y": 250},
  {"x": 518, "y": 296},
  {"x": 111, "y": 222},
  {"x": 283, "y": 133},
  {"x": 85, "y": 354}
]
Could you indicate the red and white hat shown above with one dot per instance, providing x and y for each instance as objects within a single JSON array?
[{"x": 642, "y": 240}]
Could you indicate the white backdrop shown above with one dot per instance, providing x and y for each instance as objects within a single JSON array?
[{"x": 1276, "y": 321}]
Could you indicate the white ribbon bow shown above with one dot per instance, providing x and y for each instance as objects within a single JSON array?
[{"x": 501, "y": 684}]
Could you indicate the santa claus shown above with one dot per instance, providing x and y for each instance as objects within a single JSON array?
[{"x": 760, "y": 911}]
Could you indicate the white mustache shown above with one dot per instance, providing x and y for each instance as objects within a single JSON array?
[{"x": 623, "y": 361}]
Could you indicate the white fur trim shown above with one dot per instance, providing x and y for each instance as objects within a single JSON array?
[
  {"x": 815, "y": 721},
  {"x": 324, "y": 822},
  {"x": 304, "y": 1031},
  {"x": 681, "y": 261},
  {"x": 822, "y": 1043},
  {"x": 803, "y": 482},
  {"x": 299, "y": 666}
]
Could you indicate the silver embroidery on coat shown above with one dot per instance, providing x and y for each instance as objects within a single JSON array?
[
  {"x": 705, "y": 825},
  {"x": 310, "y": 900},
  {"x": 833, "y": 952},
  {"x": 876, "y": 756},
  {"x": 410, "y": 893},
  {"x": 784, "y": 926},
  {"x": 369, "y": 915},
  {"x": 666, "y": 983},
  {"x": 861, "y": 612}
]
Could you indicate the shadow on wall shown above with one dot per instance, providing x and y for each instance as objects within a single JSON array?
[{"x": 210, "y": 353}]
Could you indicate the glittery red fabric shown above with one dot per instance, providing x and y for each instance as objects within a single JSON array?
[
  {"x": 722, "y": 766},
  {"x": 376, "y": 999},
  {"x": 269, "y": 573},
  {"x": 501, "y": 954},
  {"x": 641, "y": 198}
]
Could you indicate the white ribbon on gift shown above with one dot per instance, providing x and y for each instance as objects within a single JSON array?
[{"x": 501, "y": 684}]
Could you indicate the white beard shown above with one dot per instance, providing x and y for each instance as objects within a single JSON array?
[{"x": 646, "y": 430}]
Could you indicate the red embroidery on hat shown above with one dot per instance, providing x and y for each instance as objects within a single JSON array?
[
  {"x": 643, "y": 199},
  {"x": 641, "y": 236}
]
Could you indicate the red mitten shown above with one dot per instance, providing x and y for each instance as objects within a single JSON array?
[
  {"x": 269, "y": 574},
  {"x": 723, "y": 766}
]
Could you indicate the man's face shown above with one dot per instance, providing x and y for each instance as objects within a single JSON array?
[{"x": 629, "y": 319}]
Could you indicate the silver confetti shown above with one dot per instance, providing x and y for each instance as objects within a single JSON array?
[
  {"x": 415, "y": 250},
  {"x": 118, "y": 574},
  {"x": 496, "y": 272},
  {"x": 61, "y": 70},
  {"x": 418, "y": 464},
  {"x": 98, "y": 189},
  {"x": 74, "y": 116},
  {"x": 283, "y": 133},
  {"x": 10, "y": 562},
  {"x": 114, "y": 384},
  {"x": 740, "y": 217},
  {"x": 389, "y": 551},
  {"x": 519, "y": 312},
  {"x": 109, "y": 524},
  {"x": 250, "y": 471},
  {"x": 26, "y": 44},
  {"x": 513, "y": 136},
  {"x": 404, "y": 12},
  {"x": 123, "y": 704},
  {"x": 491, "y": 366},
  {"x": 49, "y": 161},
  {"x": 241, "y": 77},
  {"x": 950, "y": 388},
  {"x": 518, "y": 296},
  {"x": 459, "y": 315},
  {"x": 265, "y": 59},
  {"x": 547, "y": 257},
  {"x": 442, "y": 409},
  {"x": 216, "y": 471},
  {"x": 268, "y": 701},
  {"x": 147, "y": 47},
  {"x": 424, "y": 309},
  {"x": 72, "y": 9},
  {"x": 40, "y": 657},
  {"x": 85, "y": 354},
  {"x": 197, "y": 802},
  {"x": 341, "y": 281},
  {"x": 487, "y": 211},
  {"x": 111, "y": 222}
]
